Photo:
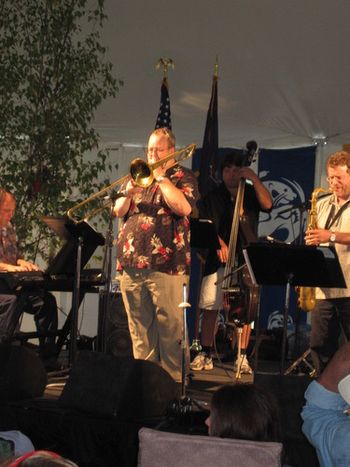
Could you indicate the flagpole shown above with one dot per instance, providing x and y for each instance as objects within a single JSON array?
[
  {"x": 164, "y": 116},
  {"x": 165, "y": 64}
]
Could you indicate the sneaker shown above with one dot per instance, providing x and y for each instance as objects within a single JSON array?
[
  {"x": 208, "y": 363},
  {"x": 199, "y": 362},
  {"x": 245, "y": 367},
  {"x": 202, "y": 362}
]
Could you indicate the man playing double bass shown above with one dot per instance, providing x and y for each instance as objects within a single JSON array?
[{"x": 219, "y": 205}]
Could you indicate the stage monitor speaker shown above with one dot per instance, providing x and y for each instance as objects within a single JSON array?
[
  {"x": 121, "y": 387},
  {"x": 289, "y": 392},
  {"x": 22, "y": 374},
  {"x": 116, "y": 329}
]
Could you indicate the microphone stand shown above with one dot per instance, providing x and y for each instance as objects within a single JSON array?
[
  {"x": 184, "y": 305},
  {"x": 75, "y": 305},
  {"x": 105, "y": 294},
  {"x": 185, "y": 405},
  {"x": 302, "y": 208},
  {"x": 296, "y": 361}
]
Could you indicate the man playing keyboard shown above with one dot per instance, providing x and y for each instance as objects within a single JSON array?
[{"x": 43, "y": 306}]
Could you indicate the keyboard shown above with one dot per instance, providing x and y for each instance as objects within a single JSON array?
[{"x": 15, "y": 282}]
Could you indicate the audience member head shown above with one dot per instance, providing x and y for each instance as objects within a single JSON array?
[
  {"x": 38, "y": 459},
  {"x": 244, "y": 411}
]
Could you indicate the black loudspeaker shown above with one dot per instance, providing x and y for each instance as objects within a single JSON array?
[
  {"x": 22, "y": 374},
  {"x": 289, "y": 391},
  {"x": 116, "y": 330},
  {"x": 121, "y": 387}
]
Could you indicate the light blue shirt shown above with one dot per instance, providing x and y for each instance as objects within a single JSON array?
[{"x": 326, "y": 426}]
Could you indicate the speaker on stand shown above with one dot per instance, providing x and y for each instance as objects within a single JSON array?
[{"x": 113, "y": 330}]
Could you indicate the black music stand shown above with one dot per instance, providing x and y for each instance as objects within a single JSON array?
[
  {"x": 290, "y": 265},
  {"x": 69, "y": 231},
  {"x": 203, "y": 234},
  {"x": 81, "y": 240}
]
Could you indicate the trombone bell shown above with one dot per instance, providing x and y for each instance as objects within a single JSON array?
[{"x": 141, "y": 173}]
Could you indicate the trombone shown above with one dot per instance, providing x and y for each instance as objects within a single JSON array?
[{"x": 141, "y": 172}]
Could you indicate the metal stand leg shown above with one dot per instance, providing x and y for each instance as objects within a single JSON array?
[
  {"x": 75, "y": 306},
  {"x": 285, "y": 324},
  {"x": 300, "y": 360},
  {"x": 184, "y": 405},
  {"x": 240, "y": 357},
  {"x": 184, "y": 305}
]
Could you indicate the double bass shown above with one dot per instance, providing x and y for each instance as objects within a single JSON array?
[{"x": 241, "y": 296}]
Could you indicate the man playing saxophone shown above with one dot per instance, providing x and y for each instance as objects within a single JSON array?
[
  {"x": 153, "y": 251},
  {"x": 330, "y": 319}
]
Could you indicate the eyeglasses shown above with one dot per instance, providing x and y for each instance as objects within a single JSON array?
[
  {"x": 336, "y": 179},
  {"x": 157, "y": 150}
]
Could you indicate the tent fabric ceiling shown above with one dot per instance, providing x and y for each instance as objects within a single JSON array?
[{"x": 284, "y": 72}]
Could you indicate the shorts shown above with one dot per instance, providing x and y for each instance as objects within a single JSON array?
[{"x": 211, "y": 295}]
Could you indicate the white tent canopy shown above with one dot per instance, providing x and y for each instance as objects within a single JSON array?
[{"x": 284, "y": 72}]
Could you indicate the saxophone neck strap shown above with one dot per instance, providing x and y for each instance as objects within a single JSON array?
[{"x": 334, "y": 216}]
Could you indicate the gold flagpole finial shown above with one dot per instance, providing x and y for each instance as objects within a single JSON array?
[
  {"x": 216, "y": 67},
  {"x": 165, "y": 64}
]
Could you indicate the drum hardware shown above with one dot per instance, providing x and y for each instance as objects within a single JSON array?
[{"x": 299, "y": 361}]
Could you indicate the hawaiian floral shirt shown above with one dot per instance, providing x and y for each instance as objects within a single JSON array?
[
  {"x": 152, "y": 236},
  {"x": 8, "y": 245}
]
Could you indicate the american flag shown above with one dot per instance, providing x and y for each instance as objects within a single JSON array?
[{"x": 164, "y": 118}]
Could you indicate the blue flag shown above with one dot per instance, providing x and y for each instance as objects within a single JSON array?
[
  {"x": 164, "y": 118},
  {"x": 208, "y": 171}
]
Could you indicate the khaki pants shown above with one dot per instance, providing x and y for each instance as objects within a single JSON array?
[{"x": 152, "y": 301}]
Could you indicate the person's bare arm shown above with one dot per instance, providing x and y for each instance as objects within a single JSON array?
[{"x": 337, "y": 369}]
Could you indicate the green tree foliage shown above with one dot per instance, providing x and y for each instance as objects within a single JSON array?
[{"x": 53, "y": 76}]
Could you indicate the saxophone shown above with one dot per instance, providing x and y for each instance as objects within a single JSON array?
[{"x": 307, "y": 295}]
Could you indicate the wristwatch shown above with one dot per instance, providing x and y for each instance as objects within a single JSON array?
[
  {"x": 160, "y": 178},
  {"x": 332, "y": 237}
]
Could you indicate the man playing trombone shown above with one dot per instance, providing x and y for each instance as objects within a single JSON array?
[{"x": 153, "y": 251}]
